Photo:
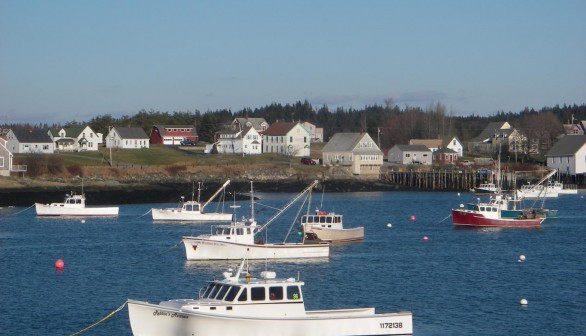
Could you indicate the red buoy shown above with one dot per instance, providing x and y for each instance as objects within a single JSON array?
[
  {"x": 59, "y": 264},
  {"x": 412, "y": 217},
  {"x": 425, "y": 238}
]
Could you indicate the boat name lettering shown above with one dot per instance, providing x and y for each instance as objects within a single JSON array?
[
  {"x": 172, "y": 315},
  {"x": 395, "y": 325}
]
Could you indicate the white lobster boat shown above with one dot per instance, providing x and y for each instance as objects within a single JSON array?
[
  {"x": 246, "y": 306},
  {"x": 329, "y": 227},
  {"x": 192, "y": 211},
  {"x": 74, "y": 205},
  {"x": 237, "y": 239}
]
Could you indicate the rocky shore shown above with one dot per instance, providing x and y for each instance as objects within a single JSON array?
[{"x": 26, "y": 192}]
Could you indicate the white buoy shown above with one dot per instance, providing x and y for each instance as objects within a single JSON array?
[
  {"x": 389, "y": 225},
  {"x": 523, "y": 302},
  {"x": 83, "y": 220},
  {"x": 458, "y": 194},
  {"x": 521, "y": 258},
  {"x": 461, "y": 205}
]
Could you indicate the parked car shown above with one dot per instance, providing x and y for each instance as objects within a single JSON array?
[
  {"x": 307, "y": 161},
  {"x": 187, "y": 142}
]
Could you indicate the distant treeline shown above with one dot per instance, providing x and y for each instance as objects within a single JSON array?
[{"x": 388, "y": 124}]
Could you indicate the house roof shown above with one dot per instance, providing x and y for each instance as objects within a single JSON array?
[
  {"x": 347, "y": 142},
  {"x": 162, "y": 128},
  {"x": 429, "y": 143},
  {"x": 254, "y": 122},
  {"x": 280, "y": 128},
  {"x": 489, "y": 131},
  {"x": 445, "y": 150},
  {"x": 413, "y": 148},
  {"x": 131, "y": 133},
  {"x": 31, "y": 136},
  {"x": 568, "y": 145}
]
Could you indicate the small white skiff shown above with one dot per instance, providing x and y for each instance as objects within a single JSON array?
[
  {"x": 73, "y": 205},
  {"x": 266, "y": 306}
]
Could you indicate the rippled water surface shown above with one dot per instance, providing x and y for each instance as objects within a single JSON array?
[{"x": 457, "y": 282}]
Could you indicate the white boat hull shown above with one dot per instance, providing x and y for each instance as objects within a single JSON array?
[
  {"x": 206, "y": 249},
  {"x": 337, "y": 235},
  {"x": 154, "y": 320},
  {"x": 68, "y": 210},
  {"x": 179, "y": 215}
]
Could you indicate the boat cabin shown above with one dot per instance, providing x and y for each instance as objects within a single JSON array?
[
  {"x": 72, "y": 201},
  {"x": 322, "y": 219},
  {"x": 267, "y": 296},
  {"x": 237, "y": 232},
  {"x": 190, "y": 206}
]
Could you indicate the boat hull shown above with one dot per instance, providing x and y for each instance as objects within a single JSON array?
[
  {"x": 206, "y": 249},
  {"x": 75, "y": 211},
  {"x": 337, "y": 235},
  {"x": 464, "y": 217},
  {"x": 149, "y": 320},
  {"x": 178, "y": 215}
]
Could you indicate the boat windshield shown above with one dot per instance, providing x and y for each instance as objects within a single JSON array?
[
  {"x": 308, "y": 219},
  {"x": 191, "y": 207}
]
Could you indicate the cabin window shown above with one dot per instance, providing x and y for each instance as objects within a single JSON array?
[
  {"x": 303, "y": 220},
  {"x": 208, "y": 290},
  {"x": 240, "y": 231},
  {"x": 276, "y": 293},
  {"x": 232, "y": 293},
  {"x": 328, "y": 219},
  {"x": 293, "y": 293},
  {"x": 214, "y": 291},
  {"x": 482, "y": 209},
  {"x": 322, "y": 219},
  {"x": 222, "y": 292},
  {"x": 257, "y": 294},
  {"x": 243, "y": 296}
]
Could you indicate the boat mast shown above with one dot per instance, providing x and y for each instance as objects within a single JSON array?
[
  {"x": 306, "y": 190},
  {"x": 215, "y": 194}
]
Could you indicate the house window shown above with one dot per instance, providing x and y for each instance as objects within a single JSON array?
[
  {"x": 407, "y": 155},
  {"x": 290, "y": 139},
  {"x": 1, "y": 161}
]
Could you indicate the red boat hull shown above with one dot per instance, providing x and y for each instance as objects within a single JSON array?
[{"x": 471, "y": 218}]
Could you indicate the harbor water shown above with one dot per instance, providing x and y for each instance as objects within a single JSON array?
[{"x": 455, "y": 281}]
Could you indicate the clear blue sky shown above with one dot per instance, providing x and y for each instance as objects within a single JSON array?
[{"x": 74, "y": 60}]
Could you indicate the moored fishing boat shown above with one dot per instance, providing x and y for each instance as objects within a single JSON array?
[
  {"x": 248, "y": 306},
  {"x": 329, "y": 227},
  {"x": 238, "y": 239},
  {"x": 490, "y": 215},
  {"x": 74, "y": 205},
  {"x": 192, "y": 210},
  {"x": 487, "y": 188}
]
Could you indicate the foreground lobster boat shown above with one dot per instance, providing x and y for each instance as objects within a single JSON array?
[{"x": 246, "y": 306}]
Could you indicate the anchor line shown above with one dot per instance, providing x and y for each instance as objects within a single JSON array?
[
  {"x": 24, "y": 209},
  {"x": 146, "y": 213},
  {"x": 444, "y": 219},
  {"x": 101, "y": 320}
]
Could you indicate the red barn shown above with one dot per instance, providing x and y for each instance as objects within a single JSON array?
[{"x": 173, "y": 134}]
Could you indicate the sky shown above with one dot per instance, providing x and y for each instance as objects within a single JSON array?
[{"x": 78, "y": 59}]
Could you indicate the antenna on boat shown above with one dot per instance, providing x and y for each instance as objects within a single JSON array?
[{"x": 323, "y": 191}]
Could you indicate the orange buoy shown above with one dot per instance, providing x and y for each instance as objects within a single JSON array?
[{"x": 59, "y": 264}]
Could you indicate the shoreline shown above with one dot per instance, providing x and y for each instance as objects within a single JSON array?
[{"x": 170, "y": 192}]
